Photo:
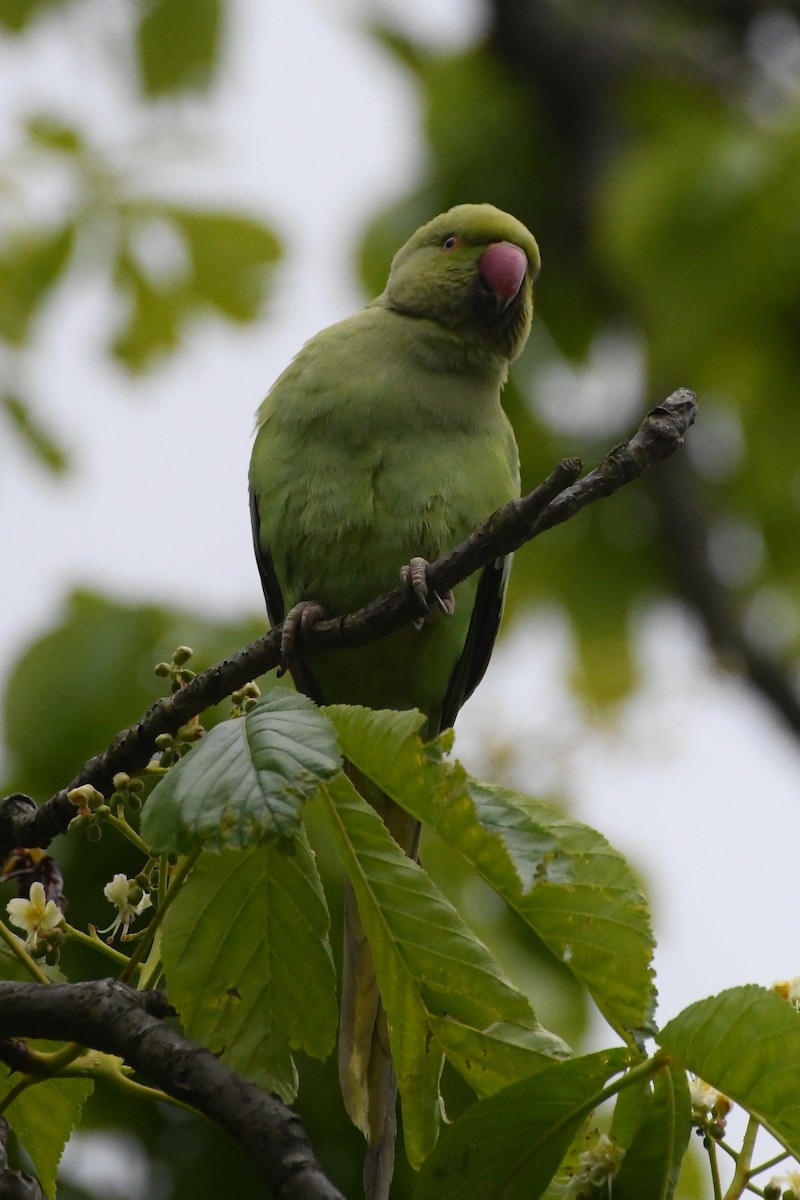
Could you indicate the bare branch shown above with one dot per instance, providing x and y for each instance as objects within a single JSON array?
[
  {"x": 109, "y": 1016},
  {"x": 561, "y": 496}
]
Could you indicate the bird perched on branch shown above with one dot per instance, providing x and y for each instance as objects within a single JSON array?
[{"x": 381, "y": 446}]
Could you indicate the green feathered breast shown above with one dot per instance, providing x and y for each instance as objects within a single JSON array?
[{"x": 384, "y": 440}]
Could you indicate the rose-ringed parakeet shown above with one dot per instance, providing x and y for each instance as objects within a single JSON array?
[{"x": 384, "y": 444}]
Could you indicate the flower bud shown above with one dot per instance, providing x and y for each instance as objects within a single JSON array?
[{"x": 182, "y": 655}]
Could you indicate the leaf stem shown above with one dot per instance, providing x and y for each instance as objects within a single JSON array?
[
  {"x": 94, "y": 940},
  {"x": 741, "y": 1175},
  {"x": 144, "y": 945},
  {"x": 17, "y": 947},
  {"x": 122, "y": 826},
  {"x": 770, "y": 1163},
  {"x": 711, "y": 1151}
]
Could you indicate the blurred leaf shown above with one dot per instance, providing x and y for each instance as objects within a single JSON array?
[
  {"x": 17, "y": 15},
  {"x": 653, "y": 1158},
  {"x": 246, "y": 951},
  {"x": 52, "y": 133},
  {"x": 230, "y": 255},
  {"x": 427, "y": 962},
  {"x": 152, "y": 326},
  {"x": 246, "y": 780},
  {"x": 30, "y": 263},
  {"x": 37, "y": 439},
  {"x": 745, "y": 1042},
  {"x": 178, "y": 42},
  {"x": 78, "y": 685},
  {"x": 584, "y": 903},
  {"x": 44, "y": 1116},
  {"x": 228, "y": 261},
  {"x": 509, "y": 1146}
]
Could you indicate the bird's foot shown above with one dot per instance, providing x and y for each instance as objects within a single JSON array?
[
  {"x": 415, "y": 579},
  {"x": 300, "y": 618}
]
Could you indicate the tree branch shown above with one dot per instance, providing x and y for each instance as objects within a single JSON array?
[
  {"x": 561, "y": 496},
  {"x": 109, "y": 1016}
]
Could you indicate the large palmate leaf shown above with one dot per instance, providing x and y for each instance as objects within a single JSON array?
[
  {"x": 577, "y": 892},
  {"x": 247, "y": 780},
  {"x": 427, "y": 963},
  {"x": 248, "y": 962}
]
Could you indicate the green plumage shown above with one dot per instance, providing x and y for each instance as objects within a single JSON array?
[{"x": 384, "y": 440}]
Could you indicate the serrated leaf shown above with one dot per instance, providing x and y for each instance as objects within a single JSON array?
[
  {"x": 29, "y": 266},
  {"x": 504, "y": 844},
  {"x": 43, "y": 1117},
  {"x": 426, "y": 960},
  {"x": 598, "y": 924},
  {"x": 492, "y": 1058},
  {"x": 509, "y": 1146},
  {"x": 746, "y": 1043},
  {"x": 246, "y": 780},
  {"x": 565, "y": 881},
  {"x": 654, "y": 1155},
  {"x": 248, "y": 961},
  {"x": 178, "y": 44}
]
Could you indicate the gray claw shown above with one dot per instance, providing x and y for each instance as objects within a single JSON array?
[{"x": 300, "y": 618}]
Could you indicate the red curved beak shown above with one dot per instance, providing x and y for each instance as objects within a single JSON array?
[{"x": 502, "y": 268}]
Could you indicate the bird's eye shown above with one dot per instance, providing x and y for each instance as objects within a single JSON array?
[{"x": 451, "y": 242}]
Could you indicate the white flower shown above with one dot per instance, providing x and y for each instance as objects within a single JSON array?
[
  {"x": 789, "y": 989},
  {"x": 130, "y": 901},
  {"x": 597, "y": 1166},
  {"x": 35, "y": 915},
  {"x": 703, "y": 1096}
]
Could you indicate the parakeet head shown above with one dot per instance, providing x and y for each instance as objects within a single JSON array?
[{"x": 472, "y": 270}]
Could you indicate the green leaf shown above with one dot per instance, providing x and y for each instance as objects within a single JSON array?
[
  {"x": 153, "y": 321},
  {"x": 248, "y": 961},
  {"x": 246, "y": 780},
  {"x": 565, "y": 881},
  {"x": 426, "y": 960},
  {"x": 43, "y": 1117},
  {"x": 17, "y": 15},
  {"x": 230, "y": 255},
  {"x": 178, "y": 44},
  {"x": 51, "y": 132},
  {"x": 500, "y": 841},
  {"x": 29, "y": 265},
  {"x": 746, "y": 1043},
  {"x": 492, "y": 1058},
  {"x": 32, "y": 432},
  {"x": 653, "y": 1158},
  {"x": 509, "y": 1146},
  {"x": 89, "y": 677}
]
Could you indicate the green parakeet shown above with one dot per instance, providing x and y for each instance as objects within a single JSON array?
[{"x": 385, "y": 442}]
